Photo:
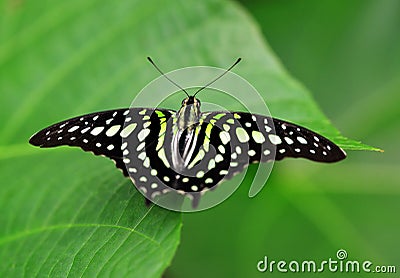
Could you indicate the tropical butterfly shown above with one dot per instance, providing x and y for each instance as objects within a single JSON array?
[{"x": 186, "y": 150}]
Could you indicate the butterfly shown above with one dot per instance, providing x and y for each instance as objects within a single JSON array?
[{"x": 186, "y": 150}]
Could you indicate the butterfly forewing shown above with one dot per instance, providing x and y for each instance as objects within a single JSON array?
[
  {"x": 100, "y": 133},
  {"x": 271, "y": 138}
]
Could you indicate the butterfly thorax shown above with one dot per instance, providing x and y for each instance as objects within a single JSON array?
[
  {"x": 185, "y": 124},
  {"x": 189, "y": 113}
]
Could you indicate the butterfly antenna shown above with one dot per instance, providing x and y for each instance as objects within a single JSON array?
[
  {"x": 158, "y": 69},
  {"x": 218, "y": 77}
]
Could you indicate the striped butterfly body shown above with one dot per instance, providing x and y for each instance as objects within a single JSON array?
[{"x": 186, "y": 150}]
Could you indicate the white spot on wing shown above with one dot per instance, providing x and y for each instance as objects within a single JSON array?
[
  {"x": 258, "y": 137},
  {"x": 275, "y": 139},
  {"x": 124, "y": 145},
  {"x": 223, "y": 172},
  {"x": 219, "y": 158},
  {"x": 97, "y": 130},
  {"x": 226, "y": 127},
  {"x": 142, "y": 155},
  {"x": 110, "y": 147},
  {"x": 225, "y": 137},
  {"x": 141, "y": 146},
  {"x": 242, "y": 135},
  {"x": 85, "y": 130},
  {"x": 72, "y": 129},
  {"x": 128, "y": 130},
  {"x": 143, "y": 134},
  {"x": 301, "y": 140},
  {"x": 211, "y": 164},
  {"x": 113, "y": 130},
  {"x": 288, "y": 140},
  {"x": 146, "y": 162}
]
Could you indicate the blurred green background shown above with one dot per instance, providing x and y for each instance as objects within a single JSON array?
[
  {"x": 61, "y": 59},
  {"x": 348, "y": 54}
]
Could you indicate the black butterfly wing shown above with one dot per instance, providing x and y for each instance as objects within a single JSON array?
[
  {"x": 284, "y": 139},
  {"x": 101, "y": 133},
  {"x": 228, "y": 142},
  {"x": 299, "y": 142}
]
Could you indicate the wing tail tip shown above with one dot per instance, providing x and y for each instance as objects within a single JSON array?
[{"x": 36, "y": 140}]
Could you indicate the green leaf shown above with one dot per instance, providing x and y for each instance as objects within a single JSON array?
[
  {"x": 66, "y": 212},
  {"x": 81, "y": 218}
]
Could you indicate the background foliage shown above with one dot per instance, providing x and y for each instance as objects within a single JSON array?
[{"x": 65, "y": 212}]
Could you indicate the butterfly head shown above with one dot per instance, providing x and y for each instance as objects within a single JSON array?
[{"x": 191, "y": 100}]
